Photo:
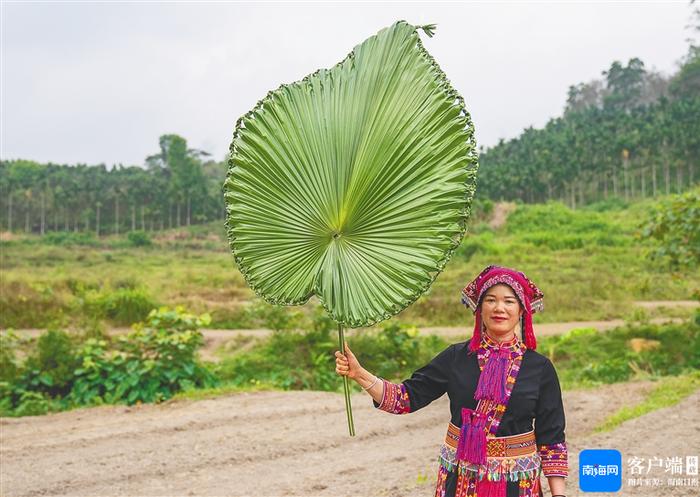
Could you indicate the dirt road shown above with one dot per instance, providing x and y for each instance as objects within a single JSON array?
[
  {"x": 216, "y": 338},
  {"x": 288, "y": 443}
]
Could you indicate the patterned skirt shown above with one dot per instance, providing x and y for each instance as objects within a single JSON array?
[{"x": 512, "y": 468}]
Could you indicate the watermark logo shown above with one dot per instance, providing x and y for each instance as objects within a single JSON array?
[
  {"x": 600, "y": 470},
  {"x": 674, "y": 471}
]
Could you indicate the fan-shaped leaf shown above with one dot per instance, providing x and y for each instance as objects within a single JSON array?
[{"x": 353, "y": 184}]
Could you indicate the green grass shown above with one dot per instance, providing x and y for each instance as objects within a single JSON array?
[
  {"x": 669, "y": 392},
  {"x": 588, "y": 357},
  {"x": 225, "y": 389},
  {"x": 589, "y": 263}
]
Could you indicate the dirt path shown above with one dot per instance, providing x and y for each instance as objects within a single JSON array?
[
  {"x": 215, "y": 338},
  {"x": 281, "y": 444},
  {"x": 500, "y": 214}
]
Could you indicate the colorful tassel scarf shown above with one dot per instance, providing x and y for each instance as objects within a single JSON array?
[
  {"x": 492, "y": 382},
  {"x": 472, "y": 437}
]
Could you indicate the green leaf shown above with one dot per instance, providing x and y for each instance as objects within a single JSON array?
[
  {"x": 133, "y": 395},
  {"x": 353, "y": 184},
  {"x": 46, "y": 379}
]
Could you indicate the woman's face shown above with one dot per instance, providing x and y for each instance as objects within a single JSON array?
[{"x": 500, "y": 311}]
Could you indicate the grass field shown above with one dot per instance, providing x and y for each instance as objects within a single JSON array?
[{"x": 591, "y": 265}]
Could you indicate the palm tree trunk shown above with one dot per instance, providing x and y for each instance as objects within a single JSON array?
[
  {"x": 573, "y": 195},
  {"x": 690, "y": 173},
  {"x": 9, "y": 212},
  {"x": 653, "y": 179},
  {"x": 43, "y": 213},
  {"x": 116, "y": 214},
  {"x": 133, "y": 218},
  {"x": 605, "y": 187},
  {"x": 97, "y": 222},
  {"x": 633, "y": 192}
]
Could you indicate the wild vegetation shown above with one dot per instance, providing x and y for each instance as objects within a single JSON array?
[
  {"x": 85, "y": 248},
  {"x": 157, "y": 361},
  {"x": 150, "y": 364},
  {"x": 594, "y": 264}
]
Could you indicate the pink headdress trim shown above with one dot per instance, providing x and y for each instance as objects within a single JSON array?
[{"x": 531, "y": 298}]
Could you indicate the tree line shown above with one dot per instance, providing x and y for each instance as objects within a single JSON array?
[
  {"x": 632, "y": 133},
  {"x": 179, "y": 186}
]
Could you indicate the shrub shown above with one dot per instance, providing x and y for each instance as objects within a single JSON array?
[
  {"x": 556, "y": 227},
  {"x": 483, "y": 243},
  {"x": 9, "y": 365},
  {"x": 289, "y": 360},
  {"x": 675, "y": 227},
  {"x": 588, "y": 356},
  {"x": 67, "y": 238},
  {"x": 149, "y": 364},
  {"x": 123, "y": 306},
  {"x": 139, "y": 239},
  {"x": 50, "y": 367},
  {"x": 28, "y": 388},
  {"x": 557, "y": 218},
  {"x": 396, "y": 350},
  {"x": 305, "y": 360},
  {"x": 24, "y": 305},
  {"x": 274, "y": 317},
  {"x": 610, "y": 204},
  {"x": 34, "y": 404}
]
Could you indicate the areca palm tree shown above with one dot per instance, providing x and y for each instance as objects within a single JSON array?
[{"x": 353, "y": 184}]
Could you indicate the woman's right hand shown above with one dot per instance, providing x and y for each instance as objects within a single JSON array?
[{"x": 347, "y": 364}]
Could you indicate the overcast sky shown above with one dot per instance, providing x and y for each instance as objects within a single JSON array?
[{"x": 92, "y": 82}]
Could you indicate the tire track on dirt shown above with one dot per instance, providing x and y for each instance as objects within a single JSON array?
[
  {"x": 155, "y": 425},
  {"x": 280, "y": 443}
]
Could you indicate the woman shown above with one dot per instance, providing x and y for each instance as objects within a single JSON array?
[{"x": 507, "y": 423}]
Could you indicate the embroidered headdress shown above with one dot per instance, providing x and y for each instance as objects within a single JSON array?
[{"x": 530, "y": 297}]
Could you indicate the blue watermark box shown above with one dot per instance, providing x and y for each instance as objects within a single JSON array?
[{"x": 600, "y": 470}]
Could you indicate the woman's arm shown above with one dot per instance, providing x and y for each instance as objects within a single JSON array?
[
  {"x": 376, "y": 386},
  {"x": 425, "y": 384},
  {"x": 550, "y": 423},
  {"x": 348, "y": 365},
  {"x": 557, "y": 485}
]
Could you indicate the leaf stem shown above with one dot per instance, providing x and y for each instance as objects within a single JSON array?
[{"x": 346, "y": 385}]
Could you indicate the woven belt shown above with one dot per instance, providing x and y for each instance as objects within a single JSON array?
[{"x": 522, "y": 444}]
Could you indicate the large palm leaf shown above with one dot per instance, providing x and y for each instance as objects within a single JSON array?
[{"x": 353, "y": 184}]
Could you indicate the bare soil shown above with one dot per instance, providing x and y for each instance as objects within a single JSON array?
[
  {"x": 500, "y": 214},
  {"x": 288, "y": 443}
]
